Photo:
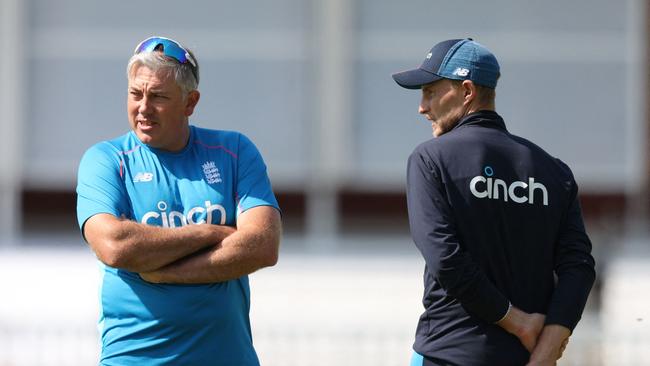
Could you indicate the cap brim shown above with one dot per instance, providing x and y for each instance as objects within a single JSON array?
[{"x": 414, "y": 79}]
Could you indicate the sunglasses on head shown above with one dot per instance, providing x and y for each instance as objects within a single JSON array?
[{"x": 170, "y": 48}]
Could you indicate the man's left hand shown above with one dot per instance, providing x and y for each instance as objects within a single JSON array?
[{"x": 550, "y": 345}]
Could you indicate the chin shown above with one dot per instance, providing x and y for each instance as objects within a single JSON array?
[{"x": 144, "y": 138}]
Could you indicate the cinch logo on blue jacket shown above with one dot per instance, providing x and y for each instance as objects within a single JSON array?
[
  {"x": 488, "y": 187},
  {"x": 176, "y": 218}
]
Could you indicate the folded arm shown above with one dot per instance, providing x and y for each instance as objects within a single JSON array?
[
  {"x": 254, "y": 245},
  {"x": 136, "y": 247},
  {"x": 575, "y": 269}
]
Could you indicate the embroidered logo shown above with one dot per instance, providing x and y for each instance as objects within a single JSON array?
[
  {"x": 211, "y": 172},
  {"x": 143, "y": 177},
  {"x": 429, "y": 55},
  {"x": 460, "y": 71}
]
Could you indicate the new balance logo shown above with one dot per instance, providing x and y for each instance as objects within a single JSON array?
[
  {"x": 429, "y": 55},
  {"x": 460, "y": 71},
  {"x": 143, "y": 177},
  {"x": 211, "y": 172}
]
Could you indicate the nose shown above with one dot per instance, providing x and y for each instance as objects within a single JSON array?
[
  {"x": 423, "y": 108},
  {"x": 144, "y": 106}
]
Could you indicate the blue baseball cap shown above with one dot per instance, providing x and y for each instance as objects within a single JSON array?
[{"x": 456, "y": 59}]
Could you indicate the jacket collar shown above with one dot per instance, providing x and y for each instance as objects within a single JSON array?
[{"x": 485, "y": 118}]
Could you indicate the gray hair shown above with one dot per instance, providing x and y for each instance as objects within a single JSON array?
[{"x": 158, "y": 61}]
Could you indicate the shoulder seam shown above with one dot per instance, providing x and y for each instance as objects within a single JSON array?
[{"x": 220, "y": 147}]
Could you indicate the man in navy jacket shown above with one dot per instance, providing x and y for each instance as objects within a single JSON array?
[{"x": 497, "y": 219}]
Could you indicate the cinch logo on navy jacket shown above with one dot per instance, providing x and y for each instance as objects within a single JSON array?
[
  {"x": 494, "y": 217},
  {"x": 489, "y": 187}
]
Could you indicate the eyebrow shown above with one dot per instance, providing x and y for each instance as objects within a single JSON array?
[{"x": 150, "y": 91}]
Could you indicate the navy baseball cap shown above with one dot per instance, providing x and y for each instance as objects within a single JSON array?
[{"x": 457, "y": 59}]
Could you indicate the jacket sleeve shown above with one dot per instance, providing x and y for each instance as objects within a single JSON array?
[
  {"x": 574, "y": 267},
  {"x": 433, "y": 229}
]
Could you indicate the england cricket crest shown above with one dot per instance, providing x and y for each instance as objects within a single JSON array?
[{"x": 211, "y": 172}]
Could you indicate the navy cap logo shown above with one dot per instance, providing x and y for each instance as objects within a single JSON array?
[
  {"x": 461, "y": 71},
  {"x": 429, "y": 55}
]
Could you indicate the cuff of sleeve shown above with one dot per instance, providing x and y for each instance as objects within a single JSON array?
[
  {"x": 563, "y": 321},
  {"x": 506, "y": 314}
]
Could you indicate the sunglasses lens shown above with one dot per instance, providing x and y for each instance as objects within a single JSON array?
[{"x": 169, "y": 48}]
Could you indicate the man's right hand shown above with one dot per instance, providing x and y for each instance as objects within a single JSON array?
[{"x": 527, "y": 327}]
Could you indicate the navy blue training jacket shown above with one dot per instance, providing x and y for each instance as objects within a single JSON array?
[{"x": 495, "y": 217}]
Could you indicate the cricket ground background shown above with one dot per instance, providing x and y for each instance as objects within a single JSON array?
[
  {"x": 309, "y": 82},
  {"x": 356, "y": 306}
]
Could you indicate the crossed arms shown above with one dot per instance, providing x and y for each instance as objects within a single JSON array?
[{"x": 189, "y": 254}]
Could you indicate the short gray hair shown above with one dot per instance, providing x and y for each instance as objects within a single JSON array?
[{"x": 158, "y": 61}]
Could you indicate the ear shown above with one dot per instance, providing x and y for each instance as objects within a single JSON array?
[
  {"x": 469, "y": 91},
  {"x": 191, "y": 101}
]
